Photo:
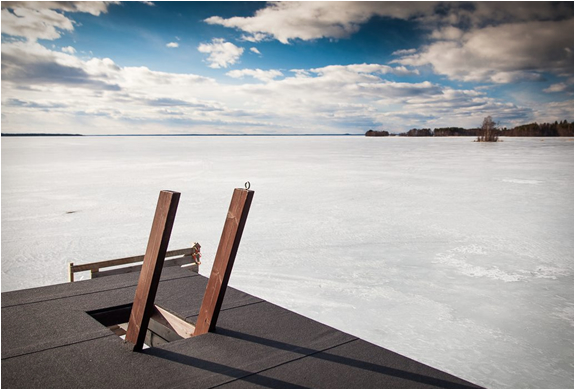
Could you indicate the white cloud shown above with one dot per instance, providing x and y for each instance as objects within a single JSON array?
[
  {"x": 255, "y": 50},
  {"x": 30, "y": 63},
  {"x": 255, "y": 37},
  {"x": 92, "y": 7},
  {"x": 263, "y": 75},
  {"x": 404, "y": 52},
  {"x": 221, "y": 53},
  {"x": 559, "y": 87},
  {"x": 553, "y": 111},
  {"x": 34, "y": 24},
  {"x": 337, "y": 71},
  {"x": 69, "y": 50},
  {"x": 448, "y": 33},
  {"x": 44, "y": 20},
  {"x": 173, "y": 44},
  {"x": 501, "y": 54},
  {"x": 287, "y": 21}
]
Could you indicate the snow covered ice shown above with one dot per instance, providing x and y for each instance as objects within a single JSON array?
[{"x": 453, "y": 253}]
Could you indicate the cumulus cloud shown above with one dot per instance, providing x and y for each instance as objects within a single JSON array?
[
  {"x": 221, "y": 53},
  {"x": 365, "y": 69},
  {"x": 44, "y": 20},
  {"x": 69, "y": 50},
  {"x": 319, "y": 90},
  {"x": 263, "y": 75},
  {"x": 501, "y": 54},
  {"x": 286, "y": 21},
  {"x": 92, "y": 7},
  {"x": 558, "y": 87},
  {"x": 173, "y": 44},
  {"x": 31, "y": 63},
  {"x": 448, "y": 33},
  {"x": 404, "y": 52},
  {"x": 255, "y": 50},
  {"x": 255, "y": 37},
  {"x": 553, "y": 111},
  {"x": 34, "y": 24}
]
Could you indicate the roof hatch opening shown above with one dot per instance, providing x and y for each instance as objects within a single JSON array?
[{"x": 164, "y": 326}]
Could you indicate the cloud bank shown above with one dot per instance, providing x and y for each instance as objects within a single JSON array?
[{"x": 65, "y": 93}]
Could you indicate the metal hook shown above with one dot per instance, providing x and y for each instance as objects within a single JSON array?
[{"x": 247, "y": 185}]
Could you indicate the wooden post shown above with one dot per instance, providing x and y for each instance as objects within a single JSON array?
[
  {"x": 143, "y": 306},
  {"x": 224, "y": 261},
  {"x": 70, "y": 272}
]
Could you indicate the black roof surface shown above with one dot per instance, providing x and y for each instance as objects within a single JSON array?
[{"x": 49, "y": 340}]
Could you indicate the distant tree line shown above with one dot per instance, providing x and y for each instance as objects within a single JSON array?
[
  {"x": 556, "y": 129},
  {"x": 455, "y": 132}
]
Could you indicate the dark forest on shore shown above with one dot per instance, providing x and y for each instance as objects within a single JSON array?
[{"x": 556, "y": 129}]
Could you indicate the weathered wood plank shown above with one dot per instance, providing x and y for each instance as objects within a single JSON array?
[
  {"x": 224, "y": 261},
  {"x": 183, "y": 260},
  {"x": 124, "y": 260},
  {"x": 152, "y": 268},
  {"x": 171, "y": 321}
]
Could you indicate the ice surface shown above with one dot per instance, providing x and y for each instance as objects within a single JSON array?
[{"x": 454, "y": 253}]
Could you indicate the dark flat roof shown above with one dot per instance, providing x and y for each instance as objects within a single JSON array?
[{"x": 49, "y": 340}]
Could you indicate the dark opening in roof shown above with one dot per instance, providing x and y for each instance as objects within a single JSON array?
[{"x": 164, "y": 326}]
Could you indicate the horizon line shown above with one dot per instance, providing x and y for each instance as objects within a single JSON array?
[{"x": 174, "y": 135}]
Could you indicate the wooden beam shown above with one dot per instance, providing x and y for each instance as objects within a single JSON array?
[
  {"x": 224, "y": 261},
  {"x": 177, "y": 261},
  {"x": 122, "y": 261},
  {"x": 143, "y": 306}
]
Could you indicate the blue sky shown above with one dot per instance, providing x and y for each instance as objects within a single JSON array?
[{"x": 290, "y": 67}]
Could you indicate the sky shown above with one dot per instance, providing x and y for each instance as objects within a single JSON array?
[{"x": 282, "y": 67}]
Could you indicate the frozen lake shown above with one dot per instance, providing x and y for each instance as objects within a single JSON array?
[{"x": 454, "y": 253}]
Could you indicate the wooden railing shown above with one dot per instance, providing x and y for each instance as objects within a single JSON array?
[{"x": 187, "y": 257}]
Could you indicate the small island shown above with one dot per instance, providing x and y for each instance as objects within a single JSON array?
[{"x": 376, "y": 133}]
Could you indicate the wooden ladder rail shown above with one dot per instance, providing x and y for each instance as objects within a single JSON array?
[
  {"x": 143, "y": 306},
  {"x": 224, "y": 261}
]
